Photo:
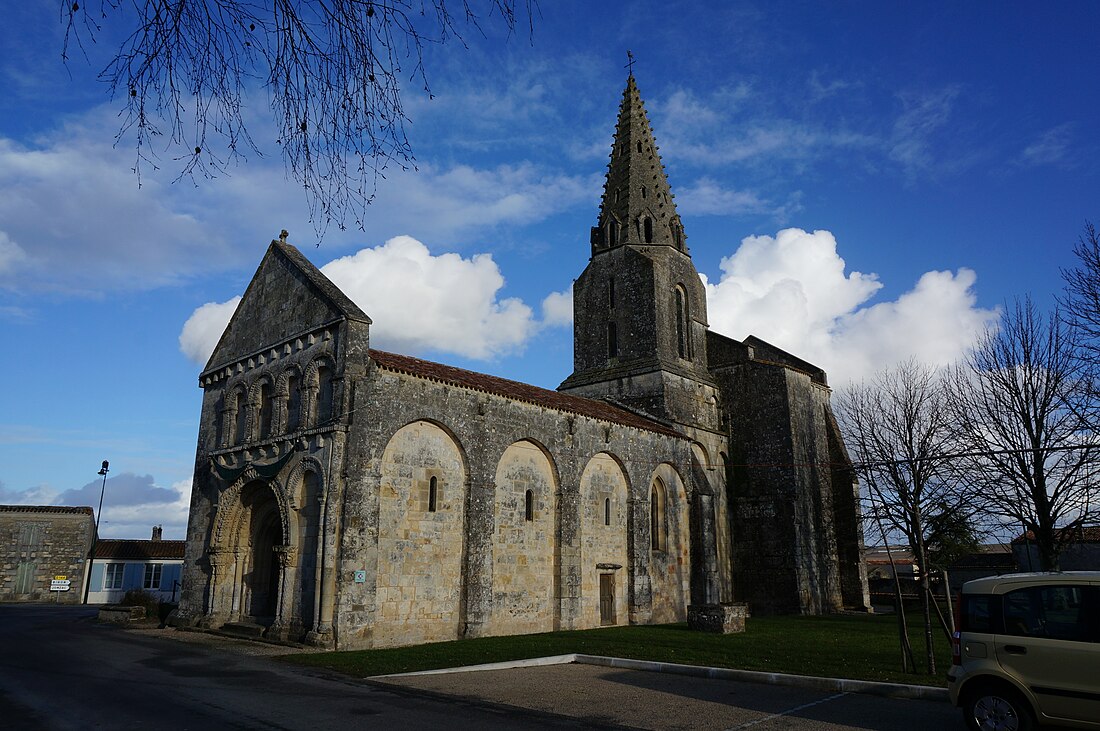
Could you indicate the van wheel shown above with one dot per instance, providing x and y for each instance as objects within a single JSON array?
[{"x": 995, "y": 708}]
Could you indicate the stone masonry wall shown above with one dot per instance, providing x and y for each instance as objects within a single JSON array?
[
  {"x": 420, "y": 539},
  {"x": 484, "y": 427},
  {"x": 669, "y": 561},
  {"x": 37, "y": 546},
  {"x": 603, "y": 538},
  {"x": 525, "y": 556}
]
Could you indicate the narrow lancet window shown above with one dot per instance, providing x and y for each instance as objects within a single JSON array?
[
  {"x": 647, "y": 227},
  {"x": 683, "y": 325},
  {"x": 433, "y": 494},
  {"x": 293, "y": 403},
  {"x": 607, "y": 511},
  {"x": 240, "y": 428},
  {"x": 528, "y": 506},
  {"x": 656, "y": 518},
  {"x": 266, "y": 409},
  {"x": 612, "y": 340}
]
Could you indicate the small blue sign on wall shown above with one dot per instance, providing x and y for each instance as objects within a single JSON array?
[{"x": 360, "y": 577}]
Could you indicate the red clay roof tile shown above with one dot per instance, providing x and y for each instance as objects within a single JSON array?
[{"x": 518, "y": 391}]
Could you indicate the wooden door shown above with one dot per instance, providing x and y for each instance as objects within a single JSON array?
[{"x": 607, "y": 599}]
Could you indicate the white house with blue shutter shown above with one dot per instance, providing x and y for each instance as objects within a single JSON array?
[{"x": 124, "y": 565}]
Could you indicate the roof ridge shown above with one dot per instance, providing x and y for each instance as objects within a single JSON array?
[{"x": 519, "y": 391}]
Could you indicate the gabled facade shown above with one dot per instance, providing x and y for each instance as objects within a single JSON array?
[{"x": 357, "y": 498}]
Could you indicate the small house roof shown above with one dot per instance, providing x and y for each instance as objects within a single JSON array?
[
  {"x": 57, "y": 509},
  {"x": 131, "y": 550}
]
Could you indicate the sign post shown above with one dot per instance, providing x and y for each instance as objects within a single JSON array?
[{"x": 59, "y": 584}]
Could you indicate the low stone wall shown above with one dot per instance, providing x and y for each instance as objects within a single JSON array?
[
  {"x": 720, "y": 618},
  {"x": 115, "y": 613}
]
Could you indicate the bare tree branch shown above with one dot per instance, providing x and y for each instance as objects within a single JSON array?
[
  {"x": 1019, "y": 401},
  {"x": 898, "y": 427},
  {"x": 333, "y": 68}
]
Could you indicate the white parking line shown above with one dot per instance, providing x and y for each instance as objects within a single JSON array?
[{"x": 788, "y": 712}]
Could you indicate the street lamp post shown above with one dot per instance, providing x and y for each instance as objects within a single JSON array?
[{"x": 95, "y": 536}]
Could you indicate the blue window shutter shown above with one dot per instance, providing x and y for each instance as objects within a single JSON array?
[
  {"x": 171, "y": 573},
  {"x": 133, "y": 576},
  {"x": 96, "y": 579}
]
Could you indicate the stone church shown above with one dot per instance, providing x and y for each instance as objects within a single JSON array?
[{"x": 350, "y": 497}]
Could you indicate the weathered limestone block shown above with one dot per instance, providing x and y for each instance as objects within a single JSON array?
[
  {"x": 116, "y": 613},
  {"x": 723, "y": 619}
]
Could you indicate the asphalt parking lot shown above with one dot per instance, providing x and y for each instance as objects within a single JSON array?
[{"x": 638, "y": 699}]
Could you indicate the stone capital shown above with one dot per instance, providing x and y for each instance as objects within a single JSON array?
[{"x": 286, "y": 554}]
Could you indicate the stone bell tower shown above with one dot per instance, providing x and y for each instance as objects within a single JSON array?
[{"x": 639, "y": 307}]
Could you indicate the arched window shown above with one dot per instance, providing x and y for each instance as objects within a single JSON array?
[
  {"x": 240, "y": 427},
  {"x": 293, "y": 402},
  {"x": 677, "y": 238},
  {"x": 657, "y": 516},
  {"x": 433, "y": 494},
  {"x": 607, "y": 511},
  {"x": 639, "y": 145},
  {"x": 647, "y": 229},
  {"x": 266, "y": 408},
  {"x": 683, "y": 325},
  {"x": 612, "y": 340},
  {"x": 322, "y": 397},
  {"x": 528, "y": 506},
  {"x": 612, "y": 232},
  {"x": 645, "y": 193}
]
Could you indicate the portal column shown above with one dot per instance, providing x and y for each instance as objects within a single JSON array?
[{"x": 287, "y": 558}]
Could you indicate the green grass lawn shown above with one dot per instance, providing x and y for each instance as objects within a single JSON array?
[{"x": 843, "y": 646}]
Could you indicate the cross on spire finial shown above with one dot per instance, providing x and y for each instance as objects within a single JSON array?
[{"x": 630, "y": 62}]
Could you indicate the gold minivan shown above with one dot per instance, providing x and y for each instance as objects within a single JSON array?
[{"x": 1027, "y": 651}]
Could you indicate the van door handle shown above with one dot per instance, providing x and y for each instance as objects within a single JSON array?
[{"x": 1015, "y": 649}]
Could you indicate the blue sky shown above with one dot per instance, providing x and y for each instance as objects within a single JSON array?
[{"x": 859, "y": 182}]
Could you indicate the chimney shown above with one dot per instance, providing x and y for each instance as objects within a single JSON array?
[{"x": 156, "y": 532}]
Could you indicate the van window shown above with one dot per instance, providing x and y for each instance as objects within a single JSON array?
[
  {"x": 1059, "y": 612},
  {"x": 976, "y": 615}
]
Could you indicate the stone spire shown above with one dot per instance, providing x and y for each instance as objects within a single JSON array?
[{"x": 637, "y": 206}]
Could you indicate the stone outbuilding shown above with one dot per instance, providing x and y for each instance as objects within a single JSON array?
[
  {"x": 352, "y": 497},
  {"x": 41, "y": 544}
]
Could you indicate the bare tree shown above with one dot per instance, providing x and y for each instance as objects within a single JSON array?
[
  {"x": 333, "y": 69},
  {"x": 1019, "y": 401},
  {"x": 898, "y": 427},
  {"x": 1081, "y": 303}
]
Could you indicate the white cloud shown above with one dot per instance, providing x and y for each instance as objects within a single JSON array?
[
  {"x": 204, "y": 328},
  {"x": 37, "y": 495},
  {"x": 923, "y": 117},
  {"x": 707, "y": 197},
  {"x": 1050, "y": 148},
  {"x": 421, "y": 302},
  {"x": 792, "y": 290},
  {"x": 557, "y": 308},
  {"x": 75, "y": 219},
  {"x": 132, "y": 504},
  {"x": 453, "y": 203},
  {"x": 136, "y": 519},
  {"x": 11, "y": 254}
]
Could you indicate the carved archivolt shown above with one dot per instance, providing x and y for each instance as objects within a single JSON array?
[
  {"x": 230, "y": 513},
  {"x": 308, "y": 464}
]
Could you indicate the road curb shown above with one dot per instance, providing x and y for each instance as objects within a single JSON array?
[{"x": 836, "y": 685}]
